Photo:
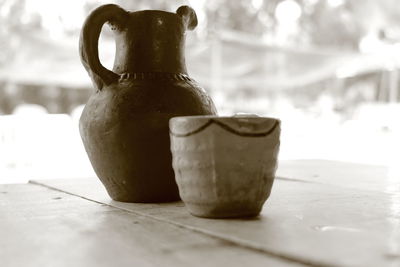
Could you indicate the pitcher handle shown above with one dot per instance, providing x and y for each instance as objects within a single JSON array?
[{"x": 88, "y": 42}]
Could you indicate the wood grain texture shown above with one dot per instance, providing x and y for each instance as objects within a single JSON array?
[
  {"x": 44, "y": 227},
  {"x": 318, "y": 223},
  {"x": 343, "y": 174}
]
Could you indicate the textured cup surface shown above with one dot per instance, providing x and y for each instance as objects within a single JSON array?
[{"x": 224, "y": 166}]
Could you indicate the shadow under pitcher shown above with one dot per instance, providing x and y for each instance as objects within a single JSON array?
[{"x": 124, "y": 125}]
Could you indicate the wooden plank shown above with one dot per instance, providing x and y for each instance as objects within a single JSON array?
[
  {"x": 44, "y": 227},
  {"x": 344, "y": 174},
  {"x": 324, "y": 225}
]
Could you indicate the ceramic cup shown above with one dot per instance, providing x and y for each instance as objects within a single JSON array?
[{"x": 224, "y": 166}]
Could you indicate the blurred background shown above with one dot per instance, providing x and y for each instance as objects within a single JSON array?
[{"x": 329, "y": 69}]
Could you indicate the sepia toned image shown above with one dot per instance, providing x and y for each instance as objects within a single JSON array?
[{"x": 199, "y": 132}]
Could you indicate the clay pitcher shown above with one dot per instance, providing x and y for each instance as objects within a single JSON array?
[{"x": 124, "y": 125}]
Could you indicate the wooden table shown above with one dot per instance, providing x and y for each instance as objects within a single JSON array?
[{"x": 320, "y": 213}]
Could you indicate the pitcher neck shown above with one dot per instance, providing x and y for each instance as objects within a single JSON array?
[{"x": 149, "y": 53}]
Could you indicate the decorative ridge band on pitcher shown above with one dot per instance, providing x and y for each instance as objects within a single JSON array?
[
  {"x": 227, "y": 128},
  {"x": 155, "y": 76}
]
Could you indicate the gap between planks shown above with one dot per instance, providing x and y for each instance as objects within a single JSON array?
[{"x": 228, "y": 239}]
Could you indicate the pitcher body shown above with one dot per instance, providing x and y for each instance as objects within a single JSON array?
[{"x": 124, "y": 125}]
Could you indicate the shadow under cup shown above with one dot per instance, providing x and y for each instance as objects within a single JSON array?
[{"x": 224, "y": 166}]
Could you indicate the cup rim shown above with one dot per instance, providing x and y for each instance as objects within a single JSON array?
[
  {"x": 246, "y": 126},
  {"x": 248, "y": 117}
]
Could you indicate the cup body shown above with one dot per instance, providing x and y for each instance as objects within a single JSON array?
[{"x": 224, "y": 166}]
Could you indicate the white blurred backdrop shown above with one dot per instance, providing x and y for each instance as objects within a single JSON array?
[{"x": 329, "y": 69}]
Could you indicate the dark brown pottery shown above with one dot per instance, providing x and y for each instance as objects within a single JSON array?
[{"x": 124, "y": 126}]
